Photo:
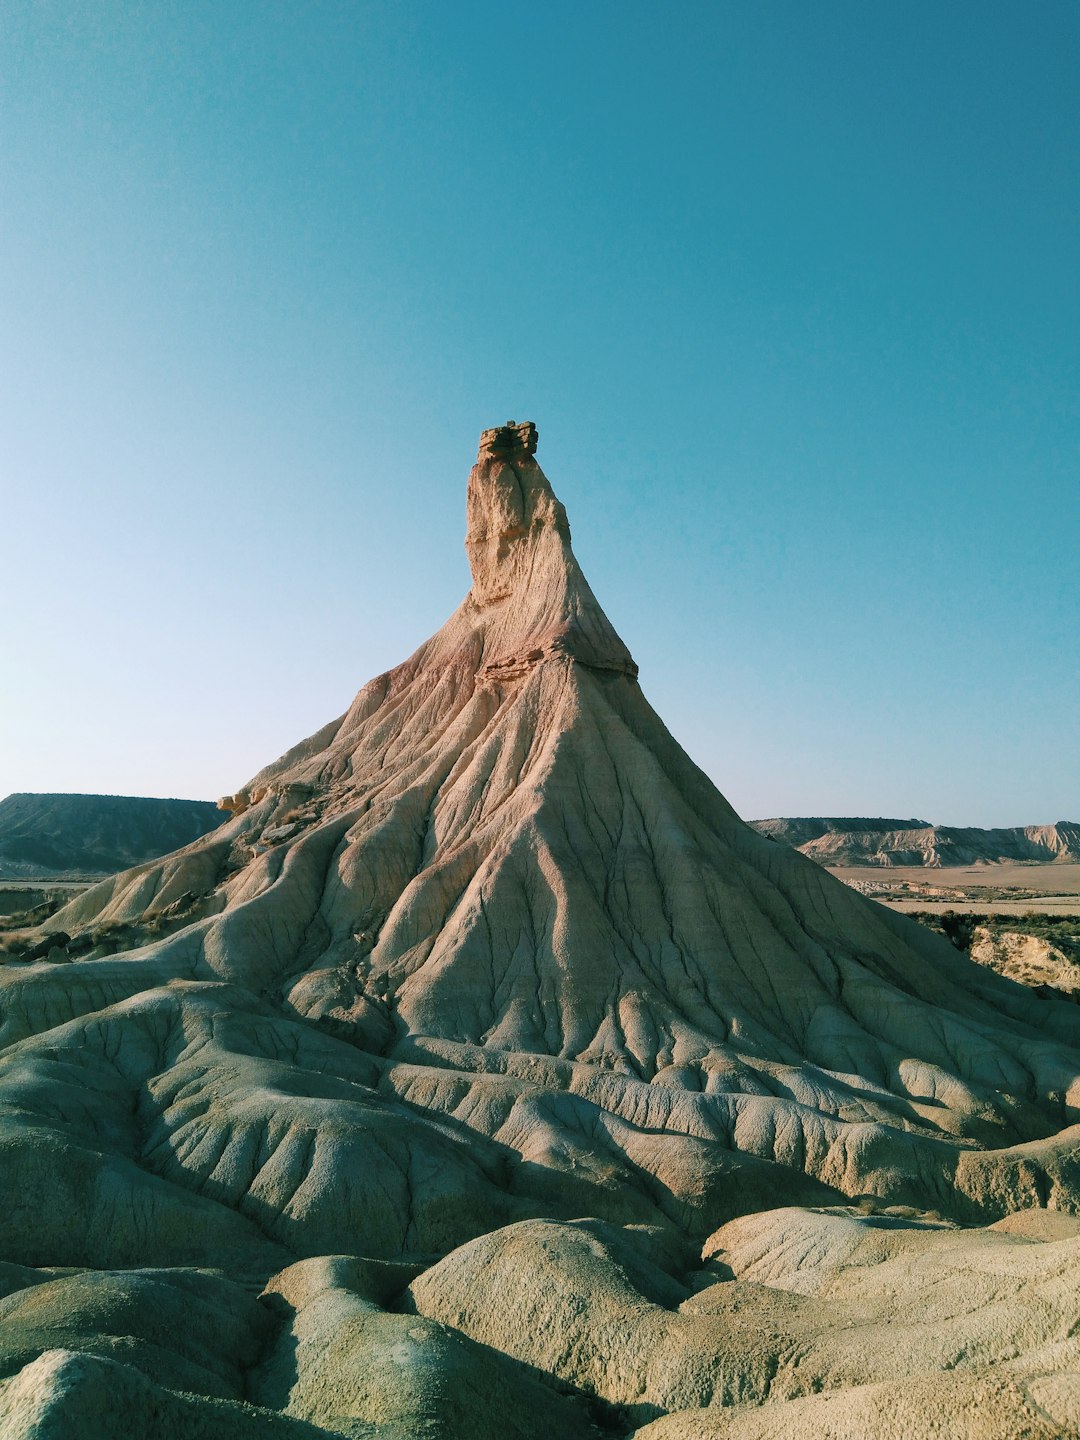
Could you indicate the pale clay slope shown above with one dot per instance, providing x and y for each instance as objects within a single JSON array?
[{"x": 484, "y": 956}]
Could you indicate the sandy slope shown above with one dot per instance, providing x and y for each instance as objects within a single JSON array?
[{"x": 484, "y": 956}]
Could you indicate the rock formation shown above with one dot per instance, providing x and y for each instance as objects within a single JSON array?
[
  {"x": 884, "y": 842},
  {"x": 92, "y": 835},
  {"x": 1030, "y": 959},
  {"x": 484, "y": 1074}
]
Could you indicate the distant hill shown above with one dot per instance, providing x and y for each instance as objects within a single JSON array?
[
  {"x": 88, "y": 835},
  {"x": 883, "y": 842}
]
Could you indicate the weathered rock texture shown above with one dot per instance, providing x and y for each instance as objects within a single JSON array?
[
  {"x": 884, "y": 842},
  {"x": 1030, "y": 959},
  {"x": 92, "y": 835},
  {"x": 484, "y": 956}
]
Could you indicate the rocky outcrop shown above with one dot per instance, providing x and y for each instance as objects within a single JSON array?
[
  {"x": 1028, "y": 959},
  {"x": 883, "y": 842},
  {"x": 485, "y": 955}
]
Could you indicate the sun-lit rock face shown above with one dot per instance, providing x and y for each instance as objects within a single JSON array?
[
  {"x": 528, "y": 592},
  {"x": 485, "y": 955}
]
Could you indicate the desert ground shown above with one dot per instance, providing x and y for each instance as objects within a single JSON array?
[{"x": 1005, "y": 889}]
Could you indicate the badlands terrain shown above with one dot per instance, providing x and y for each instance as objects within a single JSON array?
[
  {"x": 485, "y": 1075},
  {"x": 889, "y": 843},
  {"x": 44, "y": 836}
]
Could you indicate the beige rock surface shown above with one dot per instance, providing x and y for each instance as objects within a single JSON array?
[
  {"x": 792, "y": 1303},
  {"x": 71, "y": 1395},
  {"x": 1028, "y": 959},
  {"x": 307, "y": 1119}
]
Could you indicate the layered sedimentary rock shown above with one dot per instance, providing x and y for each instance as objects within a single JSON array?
[
  {"x": 487, "y": 955},
  {"x": 92, "y": 835},
  {"x": 1030, "y": 959},
  {"x": 884, "y": 842}
]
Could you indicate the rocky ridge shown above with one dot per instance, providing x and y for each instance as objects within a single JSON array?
[
  {"x": 78, "y": 836},
  {"x": 484, "y": 956},
  {"x": 883, "y": 842}
]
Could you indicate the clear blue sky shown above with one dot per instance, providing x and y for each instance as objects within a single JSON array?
[{"x": 791, "y": 291}]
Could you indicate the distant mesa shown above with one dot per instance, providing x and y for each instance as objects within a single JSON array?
[
  {"x": 1029, "y": 958},
  {"x": 87, "y": 836},
  {"x": 883, "y": 842}
]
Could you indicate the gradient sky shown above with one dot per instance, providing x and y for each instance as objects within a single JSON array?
[{"x": 792, "y": 292}]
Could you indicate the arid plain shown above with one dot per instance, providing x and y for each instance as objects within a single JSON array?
[{"x": 1006, "y": 889}]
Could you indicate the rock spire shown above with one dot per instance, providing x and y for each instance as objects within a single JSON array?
[{"x": 483, "y": 955}]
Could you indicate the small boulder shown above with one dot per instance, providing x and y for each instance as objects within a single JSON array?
[{"x": 58, "y": 940}]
